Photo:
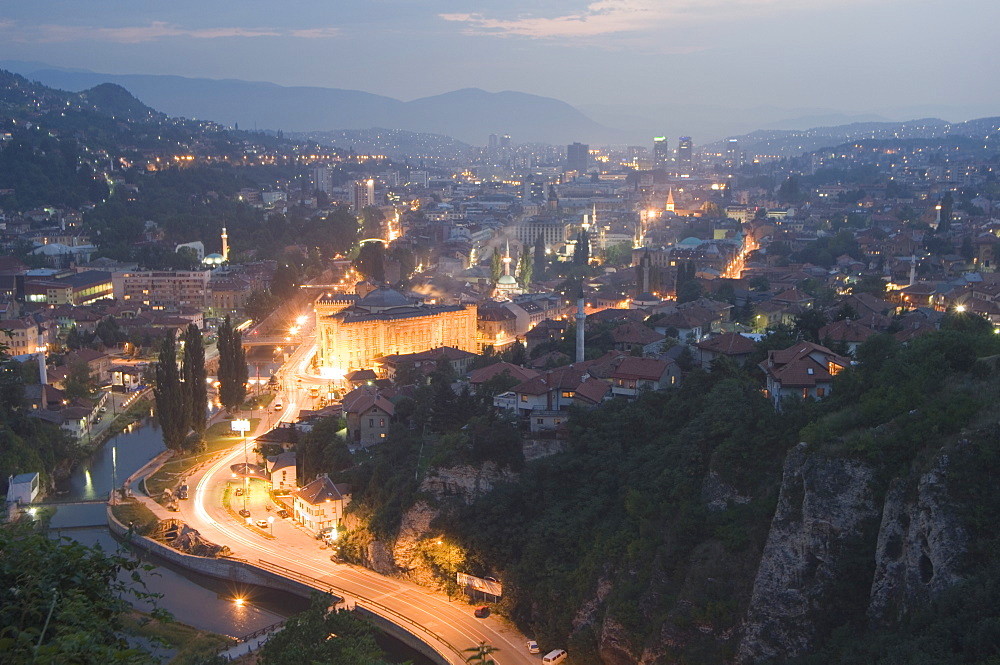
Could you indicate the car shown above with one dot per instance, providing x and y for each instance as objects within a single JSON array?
[
  {"x": 283, "y": 513},
  {"x": 482, "y": 612},
  {"x": 172, "y": 507},
  {"x": 261, "y": 524},
  {"x": 239, "y": 491},
  {"x": 533, "y": 647}
]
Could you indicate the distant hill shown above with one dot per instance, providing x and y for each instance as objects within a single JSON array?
[
  {"x": 469, "y": 115},
  {"x": 792, "y": 143}
]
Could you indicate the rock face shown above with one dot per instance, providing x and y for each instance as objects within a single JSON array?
[
  {"x": 824, "y": 508},
  {"x": 464, "y": 482},
  {"x": 402, "y": 556},
  {"x": 920, "y": 546}
]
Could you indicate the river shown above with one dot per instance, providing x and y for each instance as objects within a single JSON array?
[{"x": 197, "y": 600}]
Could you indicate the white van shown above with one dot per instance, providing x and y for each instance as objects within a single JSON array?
[
  {"x": 277, "y": 404},
  {"x": 554, "y": 656}
]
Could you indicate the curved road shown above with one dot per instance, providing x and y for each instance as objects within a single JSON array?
[{"x": 293, "y": 548}]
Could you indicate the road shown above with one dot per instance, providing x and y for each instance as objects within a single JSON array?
[{"x": 293, "y": 548}]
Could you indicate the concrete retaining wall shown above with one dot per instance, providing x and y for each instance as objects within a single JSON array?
[{"x": 246, "y": 573}]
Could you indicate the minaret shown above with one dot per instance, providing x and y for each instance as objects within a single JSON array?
[
  {"x": 581, "y": 318},
  {"x": 225, "y": 244},
  {"x": 913, "y": 269},
  {"x": 506, "y": 260},
  {"x": 41, "y": 347}
]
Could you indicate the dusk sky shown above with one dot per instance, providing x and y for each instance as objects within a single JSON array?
[{"x": 887, "y": 57}]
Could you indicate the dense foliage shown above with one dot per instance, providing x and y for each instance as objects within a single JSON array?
[
  {"x": 233, "y": 372},
  {"x": 63, "y": 602}
]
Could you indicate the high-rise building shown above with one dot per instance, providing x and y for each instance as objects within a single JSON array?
[
  {"x": 661, "y": 153},
  {"x": 733, "y": 153},
  {"x": 577, "y": 157},
  {"x": 493, "y": 146},
  {"x": 685, "y": 155},
  {"x": 363, "y": 194},
  {"x": 323, "y": 179}
]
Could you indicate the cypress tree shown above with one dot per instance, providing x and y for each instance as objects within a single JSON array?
[
  {"x": 233, "y": 373},
  {"x": 194, "y": 376},
  {"x": 171, "y": 397}
]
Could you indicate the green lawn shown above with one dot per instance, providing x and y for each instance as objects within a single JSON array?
[
  {"x": 136, "y": 513},
  {"x": 218, "y": 437}
]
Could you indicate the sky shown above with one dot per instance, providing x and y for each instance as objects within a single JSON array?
[{"x": 856, "y": 57}]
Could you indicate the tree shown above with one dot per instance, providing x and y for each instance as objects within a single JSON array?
[
  {"x": 539, "y": 258},
  {"x": 64, "y": 602},
  {"x": 482, "y": 654},
  {"x": 524, "y": 269},
  {"x": 495, "y": 265},
  {"x": 581, "y": 255},
  {"x": 233, "y": 372},
  {"x": 172, "y": 406},
  {"x": 371, "y": 262},
  {"x": 809, "y": 322},
  {"x": 80, "y": 381},
  {"x": 195, "y": 377},
  {"x": 322, "y": 635}
]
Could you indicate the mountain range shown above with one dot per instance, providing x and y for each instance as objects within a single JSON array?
[{"x": 469, "y": 115}]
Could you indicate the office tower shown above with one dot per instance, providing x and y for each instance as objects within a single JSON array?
[
  {"x": 363, "y": 194},
  {"x": 733, "y": 153},
  {"x": 494, "y": 145},
  {"x": 661, "y": 153},
  {"x": 505, "y": 142},
  {"x": 323, "y": 179},
  {"x": 577, "y": 157},
  {"x": 685, "y": 156}
]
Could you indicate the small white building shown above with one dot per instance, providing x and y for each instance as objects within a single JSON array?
[{"x": 23, "y": 488}]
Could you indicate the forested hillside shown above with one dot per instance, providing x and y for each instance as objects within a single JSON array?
[{"x": 700, "y": 526}]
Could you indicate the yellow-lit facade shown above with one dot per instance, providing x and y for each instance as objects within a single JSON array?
[{"x": 352, "y": 336}]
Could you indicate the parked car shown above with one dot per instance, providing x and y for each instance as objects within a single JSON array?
[
  {"x": 261, "y": 524},
  {"x": 239, "y": 491},
  {"x": 283, "y": 513},
  {"x": 533, "y": 647},
  {"x": 482, "y": 612},
  {"x": 182, "y": 492}
]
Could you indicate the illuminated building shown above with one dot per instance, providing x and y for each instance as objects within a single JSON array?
[
  {"x": 685, "y": 155},
  {"x": 577, "y": 157},
  {"x": 363, "y": 194},
  {"x": 661, "y": 153},
  {"x": 353, "y": 332}
]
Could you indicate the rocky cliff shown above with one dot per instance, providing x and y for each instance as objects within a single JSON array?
[{"x": 833, "y": 537}]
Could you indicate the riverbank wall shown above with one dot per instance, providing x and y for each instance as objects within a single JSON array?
[{"x": 272, "y": 576}]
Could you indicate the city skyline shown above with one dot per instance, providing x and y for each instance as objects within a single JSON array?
[{"x": 613, "y": 59}]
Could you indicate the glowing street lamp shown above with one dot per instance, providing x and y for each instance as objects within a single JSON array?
[{"x": 243, "y": 425}]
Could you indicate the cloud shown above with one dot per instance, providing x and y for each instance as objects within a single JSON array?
[
  {"x": 51, "y": 33},
  {"x": 605, "y": 17}
]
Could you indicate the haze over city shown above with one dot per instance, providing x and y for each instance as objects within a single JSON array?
[{"x": 706, "y": 69}]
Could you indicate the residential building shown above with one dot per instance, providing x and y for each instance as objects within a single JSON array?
[
  {"x": 368, "y": 415},
  {"x": 319, "y": 506},
  {"x": 162, "y": 289},
  {"x": 801, "y": 371}
]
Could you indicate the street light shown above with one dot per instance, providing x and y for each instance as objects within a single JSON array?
[
  {"x": 243, "y": 425},
  {"x": 270, "y": 523}
]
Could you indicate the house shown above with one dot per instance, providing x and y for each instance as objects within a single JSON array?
[
  {"x": 688, "y": 324},
  {"x": 516, "y": 373},
  {"x": 634, "y": 337},
  {"x": 734, "y": 346},
  {"x": 426, "y": 361},
  {"x": 319, "y": 506},
  {"x": 283, "y": 471},
  {"x": 803, "y": 370},
  {"x": 850, "y": 333},
  {"x": 368, "y": 415},
  {"x": 545, "y": 331},
  {"x": 544, "y": 400},
  {"x": 634, "y": 376},
  {"x": 23, "y": 488}
]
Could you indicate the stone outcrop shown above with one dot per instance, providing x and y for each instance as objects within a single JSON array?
[
  {"x": 465, "y": 482},
  {"x": 920, "y": 546},
  {"x": 824, "y": 509}
]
